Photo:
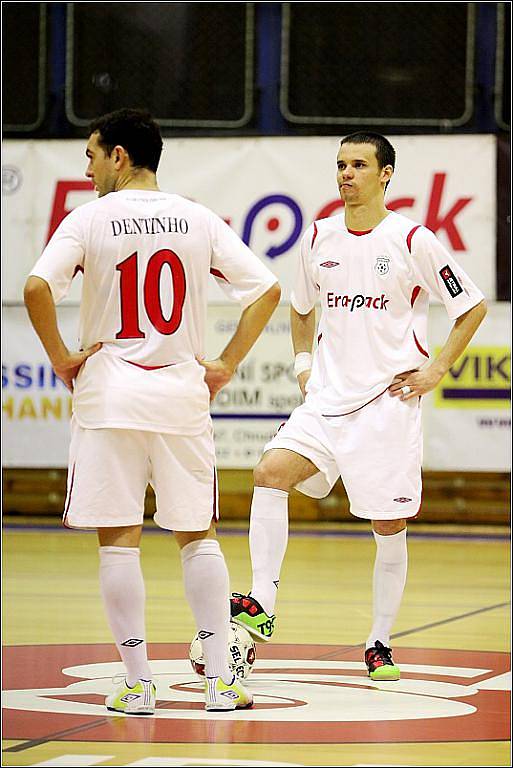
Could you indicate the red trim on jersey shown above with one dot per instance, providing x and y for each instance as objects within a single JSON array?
[
  {"x": 78, "y": 269},
  {"x": 415, "y": 293},
  {"x": 357, "y": 233},
  {"x": 68, "y": 500},
  {"x": 319, "y": 337},
  {"x": 410, "y": 235},
  {"x": 423, "y": 351},
  {"x": 148, "y": 367},
  {"x": 335, "y": 415},
  {"x": 215, "y": 505},
  {"x": 217, "y": 273},
  {"x": 314, "y": 235}
]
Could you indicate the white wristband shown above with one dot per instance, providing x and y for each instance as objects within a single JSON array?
[{"x": 302, "y": 362}]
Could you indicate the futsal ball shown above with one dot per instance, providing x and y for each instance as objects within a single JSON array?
[{"x": 241, "y": 652}]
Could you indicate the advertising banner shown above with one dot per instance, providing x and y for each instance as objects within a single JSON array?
[
  {"x": 268, "y": 189},
  {"x": 467, "y": 421}
]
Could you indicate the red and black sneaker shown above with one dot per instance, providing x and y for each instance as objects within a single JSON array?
[
  {"x": 380, "y": 664},
  {"x": 248, "y": 613}
]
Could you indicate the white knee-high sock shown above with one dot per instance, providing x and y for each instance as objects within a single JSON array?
[
  {"x": 268, "y": 537},
  {"x": 390, "y": 569},
  {"x": 124, "y": 598},
  {"x": 207, "y": 590}
]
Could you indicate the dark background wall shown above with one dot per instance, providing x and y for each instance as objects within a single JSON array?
[{"x": 258, "y": 68}]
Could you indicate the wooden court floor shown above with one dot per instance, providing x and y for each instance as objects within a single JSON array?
[{"x": 314, "y": 704}]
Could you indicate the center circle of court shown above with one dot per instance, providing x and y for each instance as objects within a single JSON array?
[{"x": 303, "y": 694}]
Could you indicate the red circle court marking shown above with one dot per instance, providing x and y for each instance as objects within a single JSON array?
[{"x": 27, "y": 667}]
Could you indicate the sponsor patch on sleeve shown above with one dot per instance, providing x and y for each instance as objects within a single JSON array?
[{"x": 450, "y": 281}]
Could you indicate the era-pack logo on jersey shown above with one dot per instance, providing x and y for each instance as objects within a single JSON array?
[
  {"x": 336, "y": 301},
  {"x": 382, "y": 266},
  {"x": 450, "y": 281}
]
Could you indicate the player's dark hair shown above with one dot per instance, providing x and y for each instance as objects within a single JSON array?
[
  {"x": 135, "y": 131},
  {"x": 385, "y": 153}
]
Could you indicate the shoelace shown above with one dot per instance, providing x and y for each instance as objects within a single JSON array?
[
  {"x": 119, "y": 678},
  {"x": 381, "y": 653}
]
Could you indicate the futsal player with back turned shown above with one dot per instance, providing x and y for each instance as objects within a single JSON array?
[{"x": 141, "y": 387}]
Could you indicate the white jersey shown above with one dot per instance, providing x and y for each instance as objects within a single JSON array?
[
  {"x": 374, "y": 292},
  {"x": 146, "y": 258}
]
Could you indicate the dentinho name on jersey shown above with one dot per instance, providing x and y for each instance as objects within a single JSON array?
[
  {"x": 153, "y": 225},
  {"x": 336, "y": 300}
]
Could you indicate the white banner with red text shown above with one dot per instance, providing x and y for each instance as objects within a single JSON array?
[
  {"x": 268, "y": 189},
  {"x": 467, "y": 419}
]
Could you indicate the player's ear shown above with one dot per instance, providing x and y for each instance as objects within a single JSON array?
[
  {"x": 119, "y": 153},
  {"x": 386, "y": 173}
]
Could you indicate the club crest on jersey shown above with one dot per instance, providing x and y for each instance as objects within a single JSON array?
[
  {"x": 329, "y": 264},
  {"x": 382, "y": 266}
]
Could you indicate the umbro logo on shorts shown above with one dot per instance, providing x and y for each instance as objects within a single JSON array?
[
  {"x": 203, "y": 634},
  {"x": 329, "y": 264},
  {"x": 132, "y": 642},
  {"x": 403, "y": 500}
]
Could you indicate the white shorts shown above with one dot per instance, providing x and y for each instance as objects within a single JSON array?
[
  {"x": 109, "y": 471},
  {"x": 377, "y": 451}
]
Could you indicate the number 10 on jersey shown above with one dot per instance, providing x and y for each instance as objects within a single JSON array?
[{"x": 129, "y": 294}]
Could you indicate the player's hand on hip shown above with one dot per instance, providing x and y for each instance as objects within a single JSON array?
[
  {"x": 68, "y": 367},
  {"x": 302, "y": 379},
  {"x": 217, "y": 375},
  {"x": 410, "y": 384}
]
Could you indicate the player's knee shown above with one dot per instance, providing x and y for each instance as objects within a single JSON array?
[
  {"x": 268, "y": 474},
  {"x": 388, "y": 527}
]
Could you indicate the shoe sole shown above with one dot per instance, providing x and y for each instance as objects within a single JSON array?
[
  {"x": 217, "y": 708},
  {"x": 132, "y": 712},
  {"x": 255, "y": 634},
  {"x": 384, "y": 679}
]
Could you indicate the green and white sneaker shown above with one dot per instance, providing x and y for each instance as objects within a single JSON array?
[
  {"x": 139, "y": 700},
  {"x": 380, "y": 665},
  {"x": 220, "y": 697},
  {"x": 248, "y": 612}
]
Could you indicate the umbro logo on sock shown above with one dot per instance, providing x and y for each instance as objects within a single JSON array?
[
  {"x": 203, "y": 634},
  {"x": 132, "y": 642}
]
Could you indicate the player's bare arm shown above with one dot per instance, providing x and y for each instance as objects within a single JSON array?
[
  {"x": 251, "y": 324},
  {"x": 41, "y": 309},
  {"x": 302, "y": 328},
  {"x": 425, "y": 380}
]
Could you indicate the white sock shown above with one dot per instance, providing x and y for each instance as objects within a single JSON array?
[
  {"x": 207, "y": 590},
  {"x": 268, "y": 537},
  {"x": 122, "y": 588},
  {"x": 390, "y": 570}
]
